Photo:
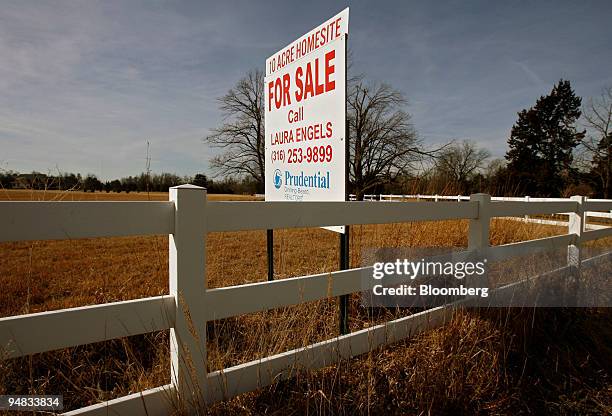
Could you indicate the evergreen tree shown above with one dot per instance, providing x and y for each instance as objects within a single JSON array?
[
  {"x": 200, "y": 180},
  {"x": 541, "y": 143}
]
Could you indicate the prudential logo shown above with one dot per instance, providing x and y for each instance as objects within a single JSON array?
[{"x": 278, "y": 179}]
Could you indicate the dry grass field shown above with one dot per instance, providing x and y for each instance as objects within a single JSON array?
[
  {"x": 485, "y": 362},
  {"x": 31, "y": 195}
]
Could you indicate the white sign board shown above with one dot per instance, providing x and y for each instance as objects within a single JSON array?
[{"x": 305, "y": 117}]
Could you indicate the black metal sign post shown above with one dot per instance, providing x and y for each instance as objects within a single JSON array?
[
  {"x": 270, "y": 243},
  {"x": 344, "y": 265},
  {"x": 344, "y": 238}
]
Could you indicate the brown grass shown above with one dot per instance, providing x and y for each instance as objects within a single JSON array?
[{"x": 489, "y": 362}]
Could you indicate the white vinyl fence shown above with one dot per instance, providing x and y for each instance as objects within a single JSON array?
[
  {"x": 526, "y": 218},
  {"x": 187, "y": 218}
]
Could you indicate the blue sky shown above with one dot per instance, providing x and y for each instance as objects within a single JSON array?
[{"x": 84, "y": 85}]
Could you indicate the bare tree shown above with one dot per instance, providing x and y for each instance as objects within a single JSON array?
[
  {"x": 241, "y": 137},
  {"x": 459, "y": 161},
  {"x": 598, "y": 121},
  {"x": 383, "y": 141}
]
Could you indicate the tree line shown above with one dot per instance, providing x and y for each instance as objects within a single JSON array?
[{"x": 145, "y": 182}]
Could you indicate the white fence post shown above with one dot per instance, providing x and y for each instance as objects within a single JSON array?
[
  {"x": 436, "y": 198},
  {"x": 478, "y": 233},
  {"x": 526, "y": 200},
  {"x": 188, "y": 284},
  {"x": 576, "y": 226}
]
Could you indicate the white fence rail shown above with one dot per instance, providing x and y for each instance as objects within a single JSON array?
[
  {"x": 187, "y": 217},
  {"x": 459, "y": 198}
]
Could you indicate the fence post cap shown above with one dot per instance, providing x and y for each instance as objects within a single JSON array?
[{"x": 188, "y": 186}]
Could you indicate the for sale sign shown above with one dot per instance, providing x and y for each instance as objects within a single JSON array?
[{"x": 305, "y": 117}]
